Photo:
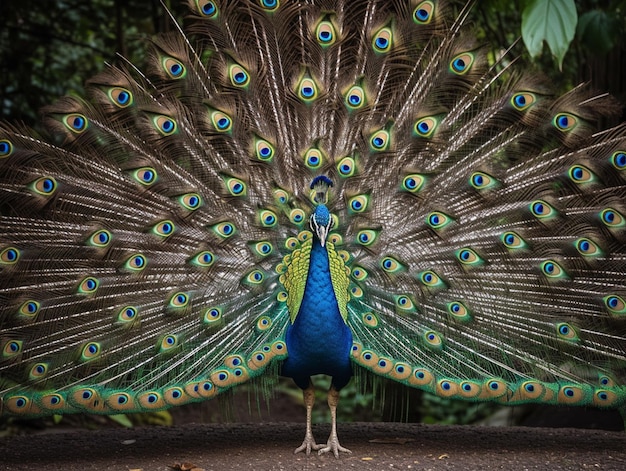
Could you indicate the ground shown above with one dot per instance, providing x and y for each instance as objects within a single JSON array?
[{"x": 269, "y": 446}]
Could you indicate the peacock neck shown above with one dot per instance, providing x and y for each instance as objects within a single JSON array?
[{"x": 318, "y": 341}]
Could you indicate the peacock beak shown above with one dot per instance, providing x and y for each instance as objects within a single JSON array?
[{"x": 320, "y": 230}]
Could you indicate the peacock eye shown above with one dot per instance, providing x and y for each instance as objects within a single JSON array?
[
  {"x": 325, "y": 33},
  {"x": 44, "y": 186},
  {"x": 462, "y": 63},
  {"x": 221, "y": 121},
  {"x": 190, "y": 201},
  {"x": 425, "y": 127},
  {"x": 512, "y": 240},
  {"x": 239, "y": 76},
  {"x": 264, "y": 151},
  {"x": 565, "y": 121},
  {"x": 165, "y": 125},
  {"x": 313, "y": 159},
  {"x": 379, "y": 141},
  {"x": 173, "y": 68},
  {"x": 355, "y": 98},
  {"x": 423, "y": 12},
  {"x": 438, "y": 220},
  {"x": 307, "y": 89},
  {"x": 382, "y": 40},
  {"x": 358, "y": 204},
  {"x": 9, "y": 256},
  {"x": 145, "y": 175},
  {"x": 523, "y": 100},
  {"x": 204, "y": 259},
  {"x": 136, "y": 262},
  {"x": 120, "y": 97},
  {"x": 6, "y": 148},
  {"x": 206, "y": 8},
  {"x": 76, "y": 122}
]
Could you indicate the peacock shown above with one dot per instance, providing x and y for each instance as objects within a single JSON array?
[{"x": 348, "y": 188}]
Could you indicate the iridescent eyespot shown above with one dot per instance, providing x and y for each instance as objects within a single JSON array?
[
  {"x": 224, "y": 229},
  {"x": 325, "y": 33},
  {"x": 566, "y": 332},
  {"x": 468, "y": 257},
  {"x": 29, "y": 309},
  {"x": 204, "y": 259},
  {"x": 482, "y": 181},
  {"x": 270, "y": 5},
  {"x": 268, "y": 218},
  {"x": 292, "y": 243},
  {"x": 379, "y": 141},
  {"x": 9, "y": 256},
  {"x": 581, "y": 174},
  {"x": 334, "y": 238},
  {"x": 346, "y": 167},
  {"x": 423, "y": 13},
  {"x": 221, "y": 121},
  {"x": 44, "y": 186},
  {"x": 587, "y": 247},
  {"x": 438, "y": 220},
  {"x": 263, "y": 150},
  {"x": 263, "y": 248},
  {"x": 461, "y": 63},
  {"x": 542, "y": 210},
  {"x": 6, "y": 148},
  {"x": 297, "y": 216},
  {"x": 168, "y": 342},
  {"x": 90, "y": 351},
  {"x": 313, "y": 158},
  {"x": 255, "y": 277},
  {"x": 366, "y": 237},
  {"x": 523, "y": 100},
  {"x": 75, "y": 122},
  {"x": 459, "y": 312},
  {"x": 281, "y": 196},
  {"x": 359, "y": 273},
  {"x": 303, "y": 236},
  {"x": 190, "y": 201},
  {"x": 127, "y": 314},
  {"x": 612, "y": 218},
  {"x": 358, "y": 204},
  {"x": 404, "y": 303},
  {"x": 206, "y": 8},
  {"x": 355, "y": 98},
  {"x": 235, "y": 186},
  {"x": 178, "y": 300},
  {"x": 615, "y": 304},
  {"x": 618, "y": 159},
  {"x": 382, "y": 40},
  {"x": 165, "y": 125},
  {"x": 88, "y": 285},
  {"x": 136, "y": 262},
  {"x": 512, "y": 240},
  {"x": 433, "y": 339},
  {"x": 173, "y": 68},
  {"x": 12, "y": 348},
  {"x": 391, "y": 265},
  {"x": 120, "y": 97},
  {"x": 212, "y": 315},
  {"x": 38, "y": 371},
  {"x": 164, "y": 228},
  {"x": 565, "y": 121},
  {"x": 239, "y": 76},
  {"x": 263, "y": 323},
  {"x": 307, "y": 89},
  {"x": 100, "y": 238},
  {"x": 413, "y": 182},
  {"x": 551, "y": 269},
  {"x": 425, "y": 127},
  {"x": 370, "y": 319},
  {"x": 145, "y": 175},
  {"x": 430, "y": 279}
]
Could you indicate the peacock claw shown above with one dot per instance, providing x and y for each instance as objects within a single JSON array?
[
  {"x": 332, "y": 445},
  {"x": 308, "y": 444}
]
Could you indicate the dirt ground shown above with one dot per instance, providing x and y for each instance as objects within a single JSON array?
[{"x": 269, "y": 446}]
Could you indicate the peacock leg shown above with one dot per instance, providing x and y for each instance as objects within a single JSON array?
[
  {"x": 333, "y": 441},
  {"x": 308, "y": 443}
]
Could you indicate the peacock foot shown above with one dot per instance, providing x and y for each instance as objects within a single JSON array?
[
  {"x": 308, "y": 444},
  {"x": 332, "y": 445}
]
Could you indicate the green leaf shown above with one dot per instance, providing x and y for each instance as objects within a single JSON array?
[
  {"x": 598, "y": 31},
  {"x": 552, "y": 21}
]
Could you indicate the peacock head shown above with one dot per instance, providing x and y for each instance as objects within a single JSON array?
[{"x": 321, "y": 222}]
